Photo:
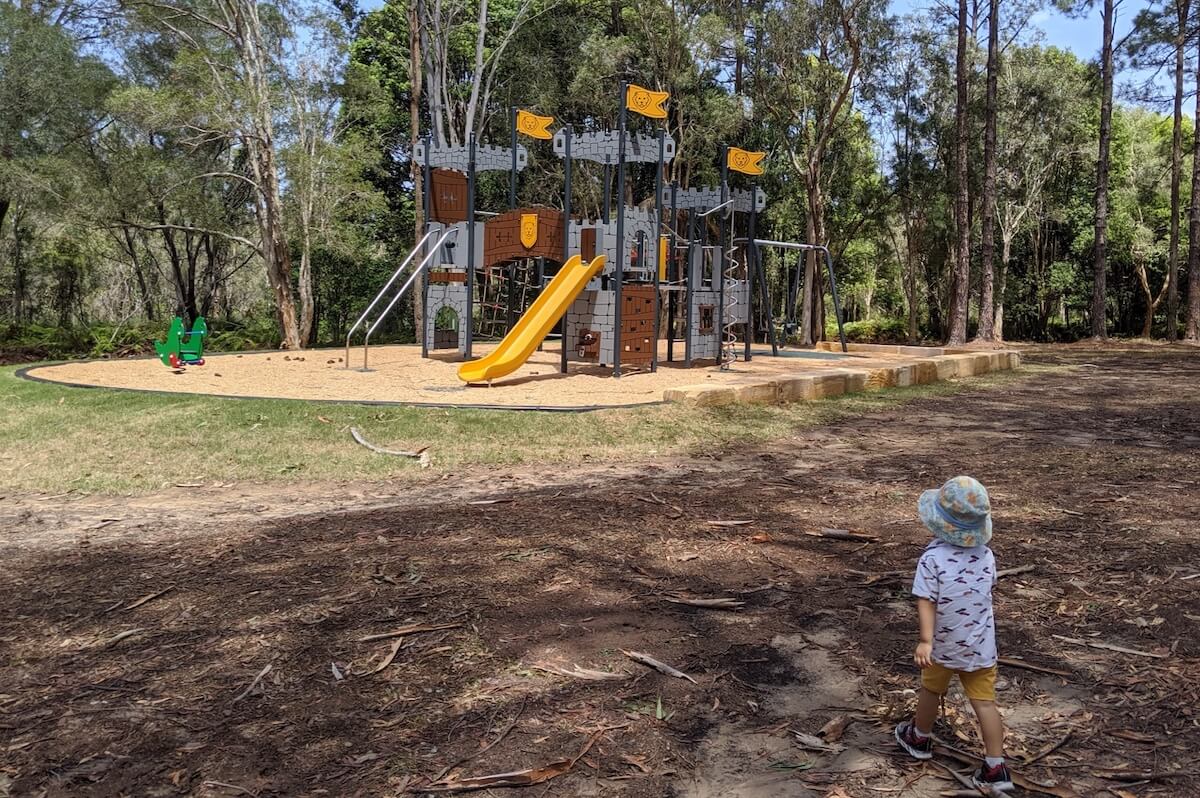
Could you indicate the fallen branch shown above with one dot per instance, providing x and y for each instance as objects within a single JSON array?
[
  {"x": 421, "y": 454},
  {"x": 227, "y": 786},
  {"x": 254, "y": 683},
  {"x": 1013, "y": 662},
  {"x": 729, "y": 523},
  {"x": 517, "y": 778},
  {"x": 1023, "y": 569},
  {"x": 416, "y": 628},
  {"x": 1139, "y": 775},
  {"x": 1049, "y": 749},
  {"x": 711, "y": 604},
  {"x": 843, "y": 534},
  {"x": 576, "y": 672},
  {"x": 661, "y": 667},
  {"x": 1075, "y": 641},
  {"x": 149, "y": 598},
  {"x": 117, "y": 638}
]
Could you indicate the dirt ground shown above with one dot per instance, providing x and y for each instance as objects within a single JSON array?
[{"x": 210, "y": 642}]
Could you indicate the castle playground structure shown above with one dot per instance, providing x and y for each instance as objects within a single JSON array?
[{"x": 684, "y": 265}]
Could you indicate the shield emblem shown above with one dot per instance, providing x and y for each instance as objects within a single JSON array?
[{"x": 529, "y": 230}]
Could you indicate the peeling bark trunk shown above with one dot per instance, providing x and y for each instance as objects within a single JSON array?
[
  {"x": 987, "y": 244},
  {"x": 260, "y": 144},
  {"x": 962, "y": 254},
  {"x": 1099, "y": 292},
  {"x": 1001, "y": 278},
  {"x": 1192, "y": 333},
  {"x": 1182, "y": 9}
]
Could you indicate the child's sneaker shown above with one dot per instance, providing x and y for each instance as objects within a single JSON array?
[
  {"x": 998, "y": 778},
  {"x": 917, "y": 747}
]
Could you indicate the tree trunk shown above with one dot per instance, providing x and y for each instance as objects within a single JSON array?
[
  {"x": 416, "y": 81},
  {"x": 1182, "y": 7},
  {"x": 19, "y": 275},
  {"x": 1001, "y": 278},
  {"x": 260, "y": 145},
  {"x": 4, "y": 205},
  {"x": 139, "y": 274},
  {"x": 1192, "y": 333},
  {"x": 305, "y": 280},
  {"x": 988, "y": 242},
  {"x": 1099, "y": 328},
  {"x": 811, "y": 318},
  {"x": 1152, "y": 302},
  {"x": 962, "y": 223}
]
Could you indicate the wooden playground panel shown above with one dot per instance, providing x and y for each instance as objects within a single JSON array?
[{"x": 401, "y": 376}]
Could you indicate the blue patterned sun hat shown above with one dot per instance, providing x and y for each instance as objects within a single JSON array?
[{"x": 959, "y": 512}]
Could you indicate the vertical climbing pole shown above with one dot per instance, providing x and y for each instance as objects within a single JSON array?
[
  {"x": 672, "y": 275},
  {"x": 748, "y": 253},
  {"x": 470, "y": 320},
  {"x": 658, "y": 267},
  {"x": 512, "y": 176},
  {"x": 566, "y": 235},
  {"x": 619, "y": 271},
  {"x": 687, "y": 295},
  {"x": 719, "y": 265},
  {"x": 604, "y": 215},
  {"x": 427, "y": 190}
]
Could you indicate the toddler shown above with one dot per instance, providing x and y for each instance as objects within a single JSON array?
[{"x": 953, "y": 588}]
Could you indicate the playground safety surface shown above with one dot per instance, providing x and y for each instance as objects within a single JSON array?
[
  {"x": 400, "y": 376},
  {"x": 216, "y": 640}
]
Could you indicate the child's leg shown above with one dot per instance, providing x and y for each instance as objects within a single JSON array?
[
  {"x": 927, "y": 711},
  {"x": 980, "y": 687},
  {"x": 991, "y": 725}
]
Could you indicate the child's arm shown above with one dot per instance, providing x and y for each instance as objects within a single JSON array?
[{"x": 927, "y": 611}]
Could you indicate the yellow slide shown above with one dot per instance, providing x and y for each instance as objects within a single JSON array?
[{"x": 533, "y": 326}]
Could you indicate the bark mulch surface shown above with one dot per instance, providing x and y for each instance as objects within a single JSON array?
[{"x": 417, "y": 647}]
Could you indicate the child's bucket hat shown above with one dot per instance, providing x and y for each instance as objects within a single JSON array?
[{"x": 959, "y": 512}]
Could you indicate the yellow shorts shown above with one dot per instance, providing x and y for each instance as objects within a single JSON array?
[{"x": 979, "y": 685}]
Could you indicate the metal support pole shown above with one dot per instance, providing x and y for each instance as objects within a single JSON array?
[
  {"x": 719, "y": 277},
  {"x": 426, "y": 185},
  {"x": 688, "y": 294},
  {"x": 512, "y": 175},
  {"x": 619, "y": 272},
  {"x": 658, "y": 267},
  {"x": 672, "y": 278},
  {"x": 470, "y": 320},
  {"x": 607, "y": 191},
  {"x": 837, "y": 305},
  {"x": 566, "y": 234}
]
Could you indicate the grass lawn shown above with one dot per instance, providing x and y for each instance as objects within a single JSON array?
[{"x": 56, "y": 439}]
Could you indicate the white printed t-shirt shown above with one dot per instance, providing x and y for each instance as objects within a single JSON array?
[{"x": 959, "y": 582}]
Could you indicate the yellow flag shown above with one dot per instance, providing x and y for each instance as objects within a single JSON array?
[
  {"x": 746, "y": 162},
  {"x": 534, "y": 125},
  {"x": 646, "y": 102}
]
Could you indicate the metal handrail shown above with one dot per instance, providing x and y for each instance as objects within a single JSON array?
[
  {"x": 412, "y": 254},
  {"x": 403, "y": 290}
]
